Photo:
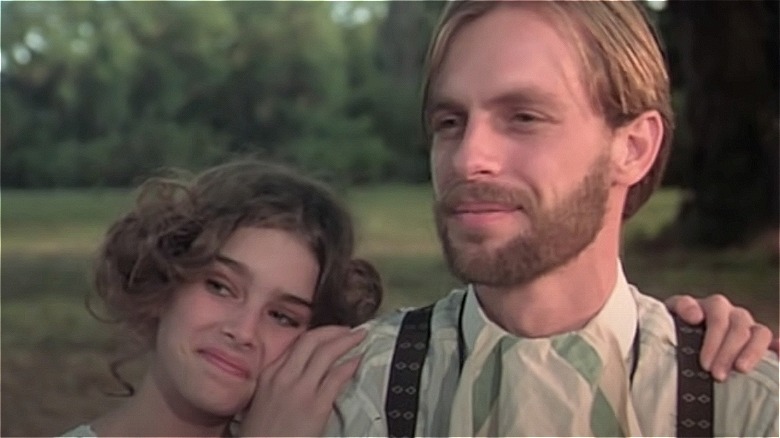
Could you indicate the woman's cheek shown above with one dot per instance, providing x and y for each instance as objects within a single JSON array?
[{"x": 278, "y": 344}]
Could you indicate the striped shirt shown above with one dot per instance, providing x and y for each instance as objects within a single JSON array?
[{"x": 744, "y": 405}]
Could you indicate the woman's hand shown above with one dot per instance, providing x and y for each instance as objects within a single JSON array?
[
  {"x": 732, "y": 339},
  {"x": 295, "y": 394}
]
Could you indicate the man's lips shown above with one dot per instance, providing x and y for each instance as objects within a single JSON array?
[
  {"x": 481, "y": 214},
  {"x": 225, "y": 362},
  {"x": 482, "y": 208}
]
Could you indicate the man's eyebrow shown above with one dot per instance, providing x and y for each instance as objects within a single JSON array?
[
  {"x": 242, "y": 270},
  {"x": 440, "y": 103},
  {"x": 526, "y": 96},
  {"x": 516, "y": 96}
]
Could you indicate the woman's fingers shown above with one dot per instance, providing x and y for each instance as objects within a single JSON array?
[
  {"x": 732, "y": 339},
  {"x": 302, "y": 350},
  {"x": 326, "y": 356},
  {"x": 687, "y": 308},
  {"x": 760, "y": 338},
  {"x": 329, "y": 355},
  {"x": 335, "y": 381},
  {"x": 306, "y": 379},
  {"x": 717, "y": 310}
]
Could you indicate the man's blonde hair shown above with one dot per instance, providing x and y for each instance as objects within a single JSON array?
[{"x": 623, "y": 69}]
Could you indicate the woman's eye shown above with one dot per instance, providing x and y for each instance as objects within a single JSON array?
[
  {"x": 218, "y": 288},
  {"x": 284, "y": 320}
]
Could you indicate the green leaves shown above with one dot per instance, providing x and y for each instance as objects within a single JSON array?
[{"x": 99, "y": 93}]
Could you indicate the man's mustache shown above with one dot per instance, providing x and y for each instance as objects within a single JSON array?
[{"x": 480, "y": 192}]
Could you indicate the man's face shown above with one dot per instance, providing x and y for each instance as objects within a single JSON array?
[{"x": 520, "y": 160}]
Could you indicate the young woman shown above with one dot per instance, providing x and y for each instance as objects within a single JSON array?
[{"x": 217, "y": 277}]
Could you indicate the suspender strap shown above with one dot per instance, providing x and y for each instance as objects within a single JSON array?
[
  {"x": 411, "y": 347},
  {"x": 694, "y": 384}
]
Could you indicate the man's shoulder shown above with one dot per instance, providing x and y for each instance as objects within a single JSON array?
[
  {"x": 378, "y": 347},
  {"x": 654, "y": 319},
  {"x": 764, "y": 376},
  {"x": 760, "y": 381},
  {"x": 746, "y": 404},
  {"x": 84, "y": 430},
  {"x": 383, "y": 331},
  {"x": 359, "y": 410}
]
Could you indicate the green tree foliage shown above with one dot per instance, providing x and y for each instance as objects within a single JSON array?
[
  {"x": 401, "y": 47},
  {"x": 100, "y": 93}
]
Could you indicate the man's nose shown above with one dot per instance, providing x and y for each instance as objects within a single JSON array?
[{"x": 478, "y": 155}]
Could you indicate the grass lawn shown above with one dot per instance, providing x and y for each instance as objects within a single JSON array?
[{"x": 54, "y": 354}]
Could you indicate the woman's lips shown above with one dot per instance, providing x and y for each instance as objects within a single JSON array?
[{"x": 225, "y": 362}]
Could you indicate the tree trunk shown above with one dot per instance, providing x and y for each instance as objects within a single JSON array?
[{"x": 728, "y": 52}]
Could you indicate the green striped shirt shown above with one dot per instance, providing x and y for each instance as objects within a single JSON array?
[{"x": 745, "y": 405}]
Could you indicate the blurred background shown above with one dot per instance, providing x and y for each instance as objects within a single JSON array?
[{"x": 98, "y": 95}]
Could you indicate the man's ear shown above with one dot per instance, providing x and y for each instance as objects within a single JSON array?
[{"x": 636, "y": 147}]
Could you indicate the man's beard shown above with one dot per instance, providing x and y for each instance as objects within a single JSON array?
[{"x": 555, "y": 235}]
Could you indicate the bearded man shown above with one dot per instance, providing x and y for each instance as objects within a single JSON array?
[{"x": 550, "y": 125}]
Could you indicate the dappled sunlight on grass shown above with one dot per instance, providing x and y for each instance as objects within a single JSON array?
[
  {"x": 29, "y": 275},
  {"x": 390, "y": 249},
  {"x": 50, "y": 321},
  {"x": 413, "y": 280},
  {"x": 660, "y": 210},
  {"x": 394, "y": 220},
  {"x": 46, "y": 222},
  {"x": 747, "y": 277},
  {"x": 52, "y": 240}
]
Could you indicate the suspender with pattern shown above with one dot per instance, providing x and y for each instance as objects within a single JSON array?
[
  {"x": 411, "y": 348},
  {"x": 694, "y": 385}
]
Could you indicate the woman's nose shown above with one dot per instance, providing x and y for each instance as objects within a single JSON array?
[{"x": 241, "y": 328}]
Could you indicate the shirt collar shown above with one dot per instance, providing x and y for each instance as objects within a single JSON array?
[{"x": 618, "y": 315}]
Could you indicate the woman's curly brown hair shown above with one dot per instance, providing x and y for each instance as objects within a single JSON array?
[{"x": 178, "y": 225}]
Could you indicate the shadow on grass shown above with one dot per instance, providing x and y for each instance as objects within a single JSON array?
[
  {"x": 413, "y": 280},
  {"x": 48, "y": 391},
  {"x": 747, "y": 277}
]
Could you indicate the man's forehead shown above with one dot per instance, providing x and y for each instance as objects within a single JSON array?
[{"x": 508, "y": 50}]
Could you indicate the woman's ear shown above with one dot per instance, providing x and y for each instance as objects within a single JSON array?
[{"x": 637, "y": 148}]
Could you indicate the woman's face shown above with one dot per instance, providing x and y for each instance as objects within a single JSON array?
[{"x": 222, "y": 329}]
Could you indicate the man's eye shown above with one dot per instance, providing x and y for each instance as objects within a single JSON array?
[
  {"x": 218, "y": 288},
  {"x": 525, "y": 117},
  {"x": 284, "y": 320},
  {"x": 446, "y": 123}
]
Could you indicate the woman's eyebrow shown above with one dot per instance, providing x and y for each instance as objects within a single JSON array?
[
  {"x": 293, "y": 298},
  {"x": 242, "y": 270},
  {"x": 235, "y": 266}
]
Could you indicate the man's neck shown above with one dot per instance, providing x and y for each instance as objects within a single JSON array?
[{"x": 562, "y": 300}]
